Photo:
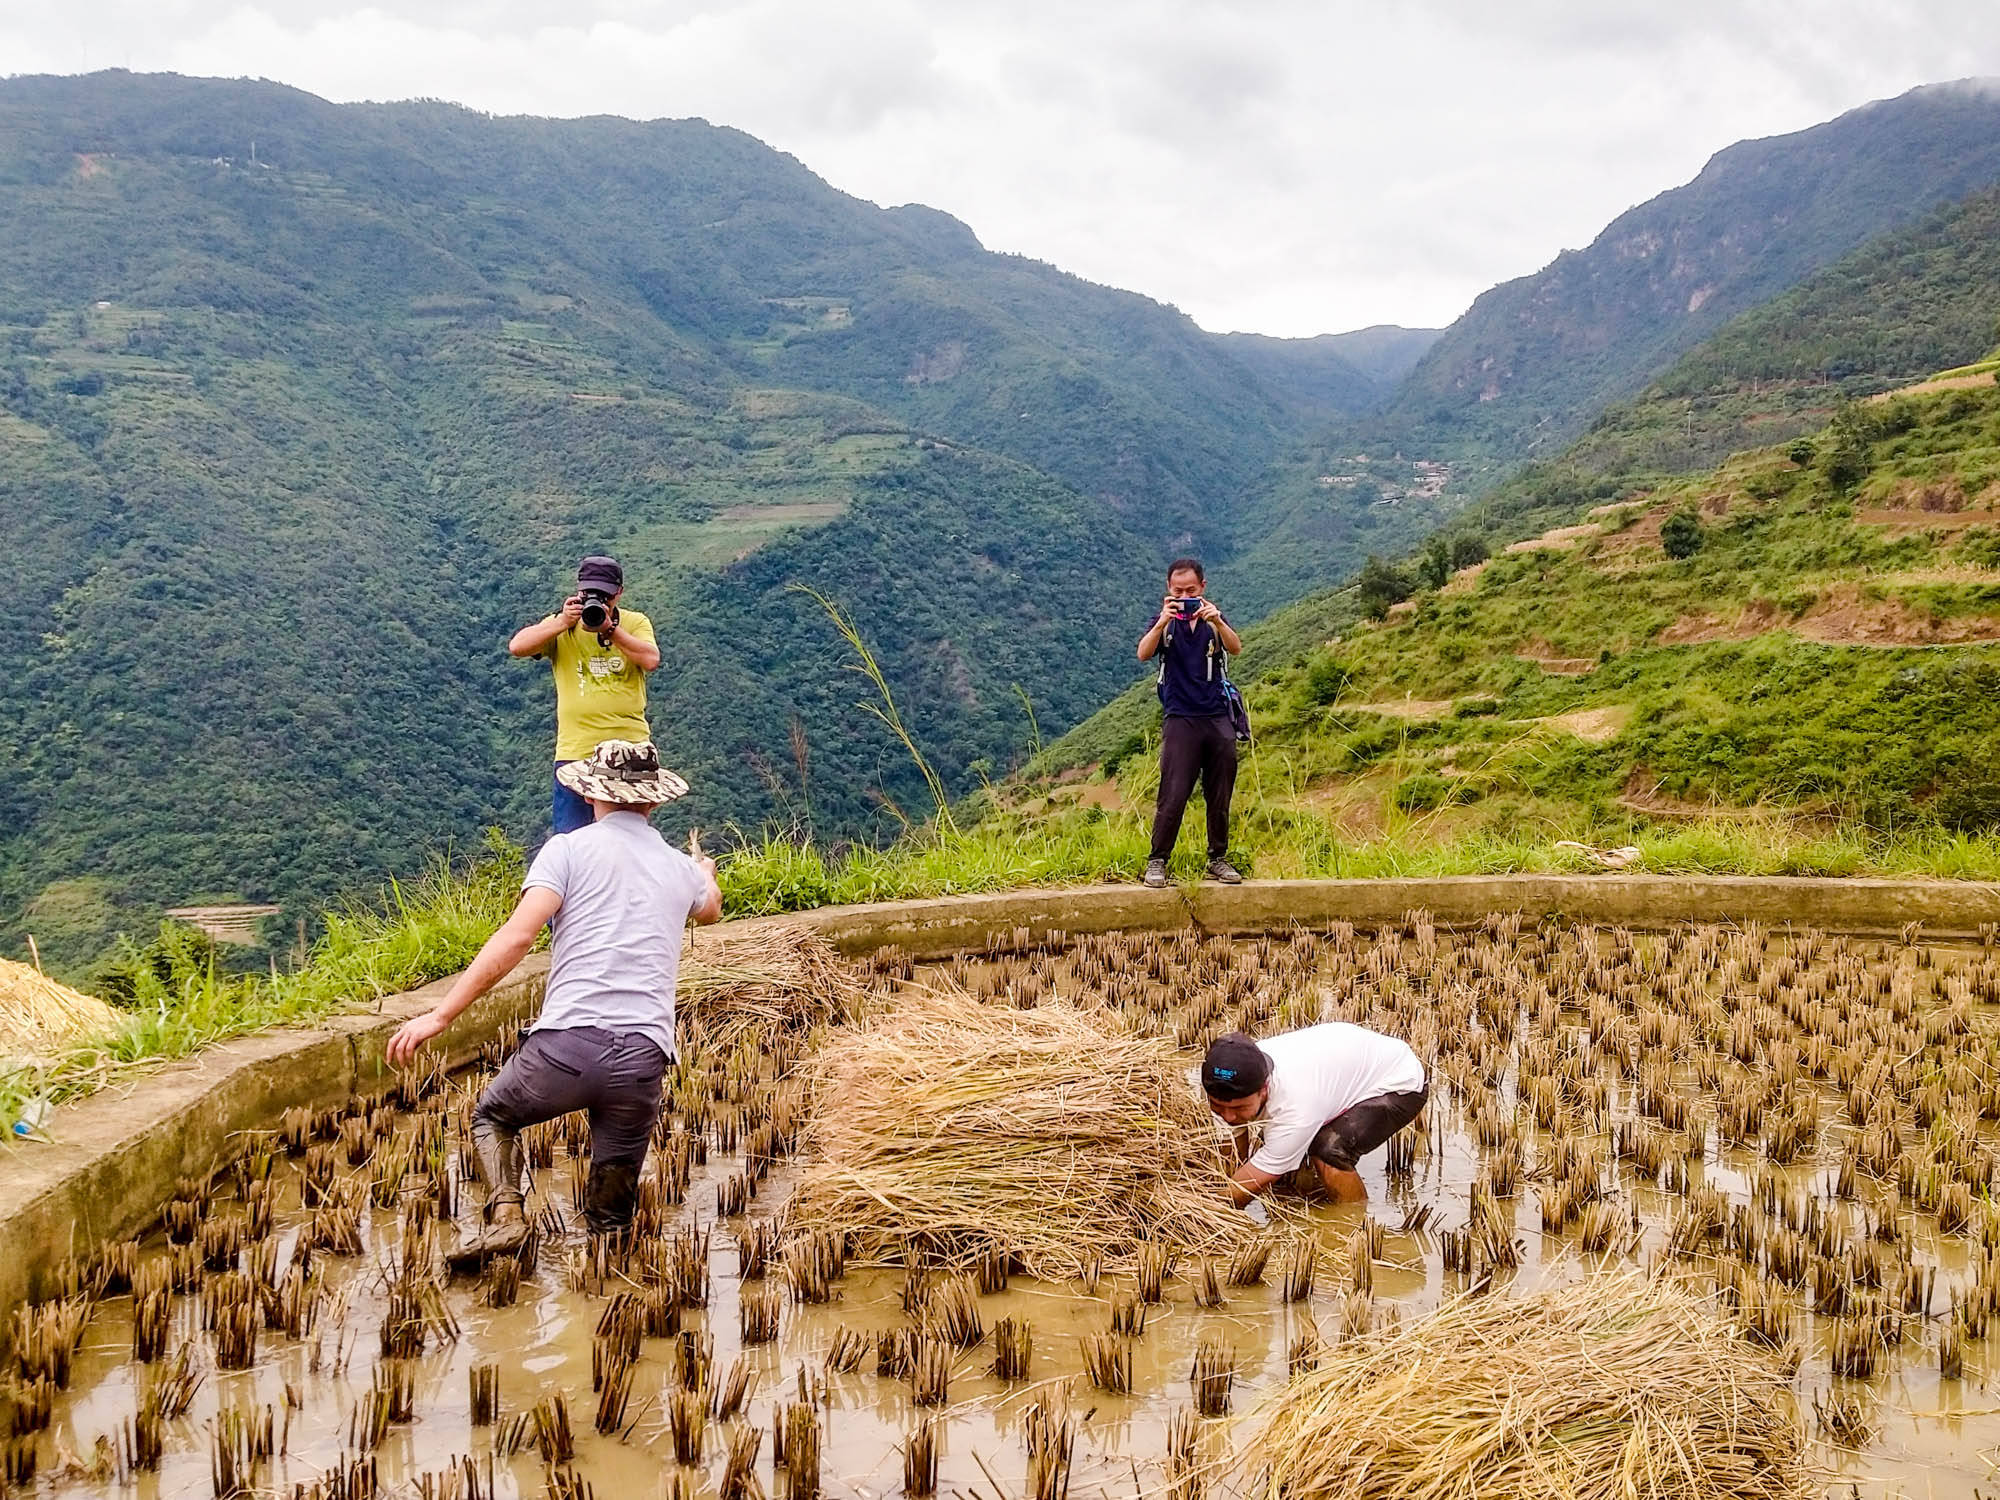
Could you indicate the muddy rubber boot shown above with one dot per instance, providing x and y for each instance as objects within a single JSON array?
[
  {"x": 497, "y": 1159},
  {"x": 610, "y": 1195},
  {"x": 505, "y": 1233}
]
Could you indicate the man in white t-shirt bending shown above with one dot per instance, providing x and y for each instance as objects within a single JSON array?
[
  {"x": 618, "y": 898},
  {"x": 1331, "y": 1093}
]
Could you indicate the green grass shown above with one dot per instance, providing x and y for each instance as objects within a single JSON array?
[
  {"x": 1983, "y": 367},
  {"x": 1084, "y": 846}
]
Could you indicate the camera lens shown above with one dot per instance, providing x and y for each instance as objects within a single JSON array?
[{"x": 594, "y": 615}]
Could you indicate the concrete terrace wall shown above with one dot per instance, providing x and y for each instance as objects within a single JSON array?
[
  {"x": 117, "y": 1154},
  {"x": 935, "y": 928}
]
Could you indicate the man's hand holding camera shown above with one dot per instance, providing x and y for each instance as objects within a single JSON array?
[
  {"x": 640, "y": 652},
  {"x": 597, "y": 612},
  {"x": 1187, "y": 609}
]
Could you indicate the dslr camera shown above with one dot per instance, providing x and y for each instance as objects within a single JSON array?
[{"x": 597, "y": 611}]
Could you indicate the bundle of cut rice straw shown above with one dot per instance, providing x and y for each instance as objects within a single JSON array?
[
  {"x": 946, "y": 1128},
  {"x": 1614, "y": 1388},
  {"x": 773, "y": 977},
  {"x": 39, "y": 1016}
]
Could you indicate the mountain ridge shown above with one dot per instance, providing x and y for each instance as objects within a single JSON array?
[
  {"x": 1536, "y": 359},
  {"x": 1862, "y": 173}
]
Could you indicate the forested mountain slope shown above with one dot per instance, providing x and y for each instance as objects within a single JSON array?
[
  {"x": 1527, "y": 365},
  {"x": 1333, "y": 374},
  {"x": 1913, "y": 301},
  {"x": 303, "y": 408}
]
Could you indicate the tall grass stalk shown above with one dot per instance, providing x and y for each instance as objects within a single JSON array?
[{"x": 886, "y": 710}]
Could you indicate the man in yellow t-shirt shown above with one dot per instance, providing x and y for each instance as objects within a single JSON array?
[{"x": 600, "y": 655}]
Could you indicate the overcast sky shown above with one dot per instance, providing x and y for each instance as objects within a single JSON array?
[{"x": 1283, "y": 166}]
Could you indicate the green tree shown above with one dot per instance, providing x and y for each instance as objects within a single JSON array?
[
  {"x": 1681, "y": 534},
  {"x": 1326, "y": 679},
  {"x": 1434, "y": 566},
  {"x": 1381, "y": 584},
  {"x": 1846, "y": 458},
  {"x": 1467, "y": 549}
]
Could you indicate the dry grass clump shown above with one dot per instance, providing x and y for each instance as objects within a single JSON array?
[
  {"x": 772, "y": 977},
  {"x": 948, "y": 1127},
  {"x": 1615, "y": 1388},
  {"x": 39, "y": 1016}
]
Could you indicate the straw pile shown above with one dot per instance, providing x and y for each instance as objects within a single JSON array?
[
  {"x": 39, "y": 1016},
  {"x": 1613, "y": 1387},
  {"x": 772, "y": 977},
  {"x": 947, "y": 1129}
]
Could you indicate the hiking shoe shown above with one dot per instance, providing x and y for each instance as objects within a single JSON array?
[
  {"x": 1224, "y": 871},
  {"x": 1156, "y": 874}
]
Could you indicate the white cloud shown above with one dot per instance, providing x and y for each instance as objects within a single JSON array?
[{"x": 1282, "y": 165}]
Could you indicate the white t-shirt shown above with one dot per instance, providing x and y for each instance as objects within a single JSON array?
[
  {"x": 626, "y": 893},
  {"x": 1321, "y": 1072}
]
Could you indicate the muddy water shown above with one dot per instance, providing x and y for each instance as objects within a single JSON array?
[
  {"x": 1930, "y": 1437},
  {"x": 543, "y": 1345}
]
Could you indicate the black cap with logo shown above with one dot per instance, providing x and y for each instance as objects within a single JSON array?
[{"x": 1235, "y": 1068}]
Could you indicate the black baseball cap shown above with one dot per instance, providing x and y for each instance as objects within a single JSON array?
[
  {"x": 601, "y": 572},
  {"x": 1235, "y": 1068}
]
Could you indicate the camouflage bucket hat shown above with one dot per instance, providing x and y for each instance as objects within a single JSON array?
[{"x": 622, "y": 771}]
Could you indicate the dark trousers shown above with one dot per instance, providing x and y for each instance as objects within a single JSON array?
[
  {"x": 1191, "y": 749},
  {"x": 1352, "y": 1134},
  {"x": 616, "y": 1078}
]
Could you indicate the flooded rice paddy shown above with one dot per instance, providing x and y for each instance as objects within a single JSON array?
[{"x": 1803, "y": 1125}]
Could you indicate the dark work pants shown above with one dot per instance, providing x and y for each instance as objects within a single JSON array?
[
  {"x": 1191, "y": 749},
  {"x": 615, "y": 1077},
  {"x": 1352, "y": 1134}
]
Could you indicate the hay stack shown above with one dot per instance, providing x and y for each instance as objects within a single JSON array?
[
  {"x": 1613, "y": 1387},
  {"x": 773, "y": 977},
  {"x": 946, "y": 1128},
  {"x": 39, "y": 1016}
]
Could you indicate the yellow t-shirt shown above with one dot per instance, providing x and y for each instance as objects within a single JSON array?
[{"x": 599, "y": 694}]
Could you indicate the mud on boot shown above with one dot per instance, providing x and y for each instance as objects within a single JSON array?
[
  {"x": 505, "y": 1233},
  {"x": 497, "y": 1159}
]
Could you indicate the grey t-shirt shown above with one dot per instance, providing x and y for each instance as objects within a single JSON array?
[{"x": 626, "y": 893}]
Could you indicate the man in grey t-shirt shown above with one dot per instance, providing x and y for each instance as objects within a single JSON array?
[{"x": 618, "y": 898}]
